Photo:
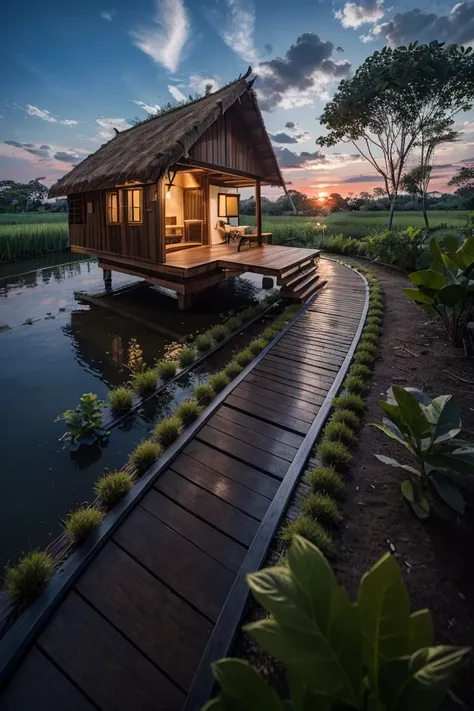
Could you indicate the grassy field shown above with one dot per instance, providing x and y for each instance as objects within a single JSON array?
[
  {"x": 31, "y": 240},
  {"x": 29, "y": 218}
]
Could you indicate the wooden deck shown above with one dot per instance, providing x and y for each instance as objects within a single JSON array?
[{"x": 164, "y": 591}]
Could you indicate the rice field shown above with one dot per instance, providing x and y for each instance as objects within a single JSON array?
[{"x": 32, "y": 239}]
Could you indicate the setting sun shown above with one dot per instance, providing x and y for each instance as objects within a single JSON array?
[{"x": 322, "y": 196}]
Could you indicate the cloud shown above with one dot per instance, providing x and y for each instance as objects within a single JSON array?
[
  {"x": 149, "y": 108},
  {"x": 107, "y": 126},
  {"x": 363, "y": 179},
  {"x": 290, "y": 124},
  {"x": 66, "y": 157},
  {"x": 306, "y": 70},
  {"x": 457, "y": 27},
  {"x": 40, "y": 113},
  {"x": 310, "y": 161},
  {"x": 176, "y": 93},
  {"x": 197, "y": 83},
  {"x": 290, "y": 159},
  {"x": 267, "y": 48},
  {"x": 108, "y": 14},
  {"x": 165, "y": 39},
  {"x": 468, "y": 160},
  {"x": 294, "y": 135},
  {"x": 354, "y": 15},
  {"x": 236, "y": 26},
  {"x": 48, "y": 154},
  {"x": 69, "y": 122},
  {"x": 283, "y": 137}
]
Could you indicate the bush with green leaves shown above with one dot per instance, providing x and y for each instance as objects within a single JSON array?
[
  {"x": 187, "y": 356},
  {"x": 339, "y": 432},
  {"x": 145, "y": 454},
  {"x": 121, "y": 399},
  {"x": 167, "y": 431},
  {"x": 446, "y": 289},
  {"x": 355, "y": 384},
  {"x": 257, "y": 345},
  {"x": 325, "y": 480},
  {"x": 188, "y": 412},
  {"x": 219, "y": 332},
  {"x": 360, "y": 371},
  {"x": 428, "y": 429},
  {"x": 311, "y": 530},
  {"x": 234, "y": 322},
  {"x": 334, "y": 454},
  {"x": 144, "y": 381},
  {"x": 369, "y": 338},
  {"x": 84, "y": 424},
  {"x": 80, "y": 524},
  {"x": 111, "y": 488},
  {"x": 349, "y": 401},
  {"x": 233, "y": 369},
  {"x": 347, "y": 417},
  {"x": 203, "y": 342},
  {"x": 244, "y": 357},
  {"x": 371, "y": 655},
  {"x": 363, "y": 356},
  {"x": 166, "y": 369},
  {"x": 25, "y": 581},
  {"x": 323, "y": 508},
  {"x": 218, "y": 381},
  {"x": 204, "y": 393}
]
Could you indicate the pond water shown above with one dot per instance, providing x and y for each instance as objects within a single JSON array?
[{"x": 56, "y": 348}]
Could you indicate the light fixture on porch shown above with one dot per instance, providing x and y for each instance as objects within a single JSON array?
[{"x": 169, "y": 184}]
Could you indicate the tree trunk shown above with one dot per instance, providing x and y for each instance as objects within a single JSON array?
[
  {"x": 392, "y": 211},
  {"x": 425, "y": 214}
]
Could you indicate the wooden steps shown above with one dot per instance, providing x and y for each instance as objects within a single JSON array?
[{"x": 301, "y": 282}]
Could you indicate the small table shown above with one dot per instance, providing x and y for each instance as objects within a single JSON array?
[{"x": 255, "y": 238}]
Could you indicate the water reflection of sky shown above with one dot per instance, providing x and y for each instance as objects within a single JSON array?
[{"x": 55, "y": 350}]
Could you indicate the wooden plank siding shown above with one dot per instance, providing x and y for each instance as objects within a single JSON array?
[{"x": 165, "y": 593}]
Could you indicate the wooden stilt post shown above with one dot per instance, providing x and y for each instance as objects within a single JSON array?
[
  {"x": 258, "y": 211},
  {"x": 107, "y": 274},
  {"x": 185, "y": 301}
]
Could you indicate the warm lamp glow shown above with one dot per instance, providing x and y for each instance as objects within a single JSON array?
[{"x": 168, "y": 195}]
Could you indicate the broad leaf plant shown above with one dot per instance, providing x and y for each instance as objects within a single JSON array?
[{"x": 84, "y": 424}]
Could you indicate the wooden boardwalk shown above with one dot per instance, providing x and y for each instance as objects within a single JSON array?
[{"x": 166, "y": 592}]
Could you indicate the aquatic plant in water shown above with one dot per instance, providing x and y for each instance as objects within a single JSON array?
[{"x": 84, "y": 423}]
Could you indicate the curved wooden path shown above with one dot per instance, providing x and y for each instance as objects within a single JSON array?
[{"x": 164, "y": 592}]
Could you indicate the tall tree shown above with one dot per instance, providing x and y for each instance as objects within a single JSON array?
[
  {"x": 395, "y": 97},
  {"x": 464, "y": 181}
]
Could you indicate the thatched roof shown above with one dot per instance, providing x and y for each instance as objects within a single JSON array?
[{"x": 146, "y": 151}]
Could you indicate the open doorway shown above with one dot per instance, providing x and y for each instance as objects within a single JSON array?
[{"x": 184, "y": 212}]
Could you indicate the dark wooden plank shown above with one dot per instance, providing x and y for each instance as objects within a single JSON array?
[
  {"x": 247, "y": 393},
  {"x": 251, "y": 478},
  {"x": 329, "y": 363},
  {"x": 159, "y": 623},
  {"x": 112, "y": 673},
  {"x": 277, "y": 386},
  {"x": 245, "y": 452},
  {"x": 207, "y": 507},
  {"x": 293, "y": 402},
  {"x": 38, "y": 684},
  {"x": 205, "y": 537},
  {"x": 264, "y": 428},
  {"x": 314, "y": 346},
  {"x": 269, "y": 415},
  {"x": 251, "y": 436},
  {"x": 220, "y": 485},
  {"x": 189, "y": 571},
  {"x": 321, "y": 332},
  {"x": 318, "y": 340},
  {"x": 298, "y": 375},
  {"x": 313, "y": 370}
]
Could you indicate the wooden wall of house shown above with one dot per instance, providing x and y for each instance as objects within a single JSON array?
[
  {"x": 227, "y": 144},
  {"x": 144, "y": 241}
]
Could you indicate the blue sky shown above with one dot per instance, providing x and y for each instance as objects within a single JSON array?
[{"x": 74, "y": 71}]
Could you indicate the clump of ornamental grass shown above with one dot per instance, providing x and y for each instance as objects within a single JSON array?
[
  {"x": 363, "y": 356},
  {"x": 80, "y": 524},
  {"x": 219, "y": 332},
  {"x": 346, "y": 417},
  {"x": 187, "y": 355},
  {"x": 269, "y": 333},
  {"x": 204, "y": 393},
  {"x": 166, "y": 369},
  {"x": 203, "y": 342},
  {"x": 325, "y": 480},
  {"x": 376, "y": 303},
  {"x": 244, "y": 357},
  {"x": 188, "y": 412},
  {"x": 145, "y": 454},
  {"x": 218, "y": 381},
  {"x": 121, "y": 399},
  {"x": 167, "y": 431},
  {"x": 339, "y": 432},
  {"x": 233, "y": 369},
  {"x": 25, "y": 581},
  {"x": 312, "y": 531},
  {"x": 257, "y": 345},
  {"x": 334, "y": 454},
  {"x": 323, "y": 508},
  {"x": 234, "y": 322},
  {"x": 355, "y": 384},
  {"x": 371, "y": 328},
  {"x": 366, "y": 346},
  {"x": 144, "y": 381},
  {"x": 369, "y": 338},
  {"x": 111, "y": 488},
  {"x": 349, "y": 401},
  {"x": 360, "y": 370}
]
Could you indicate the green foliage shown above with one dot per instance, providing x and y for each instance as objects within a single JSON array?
[
  {"x": 334, "y": 454},
  {"x": 325, "y": 480},
  {"x": 219, "y": 332},
  {"x": 187, "y": 355},
  {"x": 375, "y": 654},
  {"x": 219, "y": 381},
  {"x": 371, "y": 328},
  {"x": 375, "y": 311},
  {"x": 144, "y": 381},
  {"x": 339, "y": 432},
  {"x": 428, "y": 429},
  {"x": 84, "y": 423},
  {"x": 111, "y": 488},
  {"x": 244, "y": 357},
  {"x": 360, "y": 370},
  {"x": 446, "y": 289},
  {"x": 121, "y": 399},
  {"x": 369, "y": 338},
  {"x": 402, "y": 248},
  {"x": 349, "y": 401},
  {"x": 257, "y": 345},
  {"x": 323, "y": 508},
  {"x": 367, "y": 346},
  {"x": 204, "y": 393},
  {"x": 25, "y": 581},
  {"x": 80, "y": 524},
  {"x": 166, "y": 369},
  {"x": 355, "y": 384},
  {"x": 31, "y": 240},
  {"x": 188, "y": 412},
  {"x": 234, "y": 322},
  {"x": 269, "y": 333},
  {"x": 312, "y": 531},
  {"x": 167, "y": 431},
  {"x": 145, "y": 454},
  {"x": 203, "y": 342},
  {"x": 363, "y": 356},
  {"x": 233, "y": 369}
]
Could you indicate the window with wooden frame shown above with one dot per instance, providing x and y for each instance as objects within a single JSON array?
[
  {"x": 228, "y": 204},
  {"x": 134, "y": 205},
  {"x": 75, "y": 209},
  {"x": 113, "y": 207}
]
